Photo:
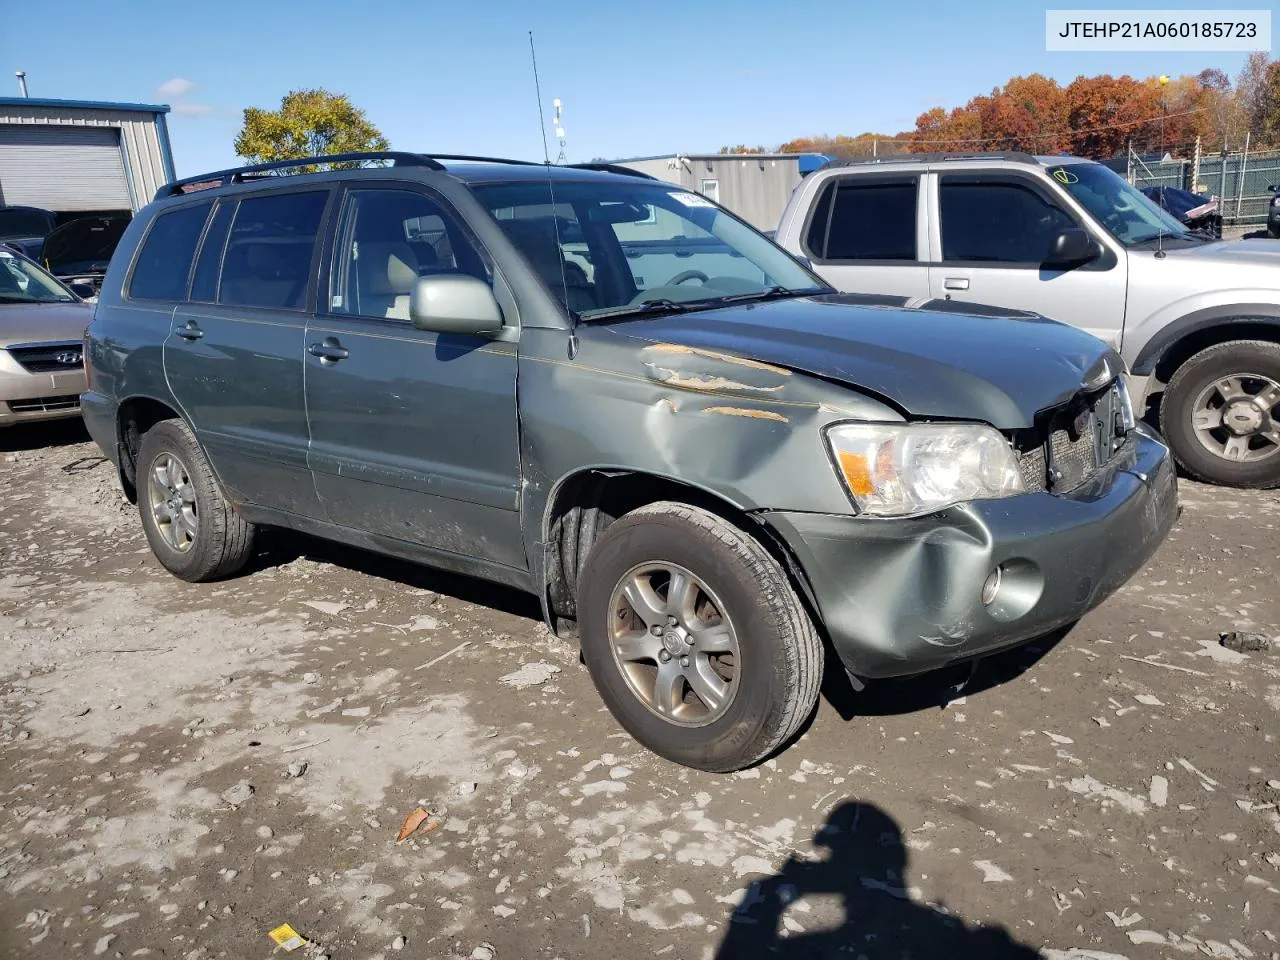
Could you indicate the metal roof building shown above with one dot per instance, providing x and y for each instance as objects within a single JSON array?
[
  {"x": 755, "y": 186},
  {"x": 80, "y": 155}
]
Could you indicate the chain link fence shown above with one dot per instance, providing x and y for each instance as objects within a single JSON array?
[{"x": 1240, "y": 180}]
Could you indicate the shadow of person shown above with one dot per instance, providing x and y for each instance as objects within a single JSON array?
[{"x": 865, "y": 868}]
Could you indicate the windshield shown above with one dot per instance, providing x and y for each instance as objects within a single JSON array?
[
  {"x": 612, "y": 248},
  {"x": 21, "y": 281},
  {"x": 1128, "y": 215}
]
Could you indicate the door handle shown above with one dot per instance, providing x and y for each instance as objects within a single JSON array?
[
  {"x": 189, "y": 331},
  {"x": 329, "y": 351},
  {"x": 956, "y": 283}
]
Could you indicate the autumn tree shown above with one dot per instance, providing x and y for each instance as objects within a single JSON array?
[
  {"x": 1028, "y": 113},
  {"x": 1269, "y": 106},
  {"x": 938, "y": 131},
  {"x": 1251, "y": 88},
  {"x": 742, "y": 148},
  {"x": 309, "y": 123},
  {"x": 864, "y": 144}
]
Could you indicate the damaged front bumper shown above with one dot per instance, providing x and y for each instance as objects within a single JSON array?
[{"x": 905, "y": 596}]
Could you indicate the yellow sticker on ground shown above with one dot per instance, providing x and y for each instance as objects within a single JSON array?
[{"x": 287, "y": 938}]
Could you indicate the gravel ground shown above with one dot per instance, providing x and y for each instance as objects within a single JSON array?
[{"x": 185, "y": 768}]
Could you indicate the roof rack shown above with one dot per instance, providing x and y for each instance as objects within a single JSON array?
[
  {"x": 221, "y": 178},
  {"x": 1014, "y": 156},
  {"x": 613, "y": 168},
  {"x": 240, "y": 174}
]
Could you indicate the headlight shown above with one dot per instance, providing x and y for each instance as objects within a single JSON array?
[{"x": 900, "y": 470}]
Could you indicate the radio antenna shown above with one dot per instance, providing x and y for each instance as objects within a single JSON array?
[{"x": 542, "y": 120}]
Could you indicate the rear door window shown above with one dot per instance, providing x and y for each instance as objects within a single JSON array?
[
  {"x": 270, "y": 250},
  {"x": 864, "y": 219},
  {"x": 164, "y": 262}
]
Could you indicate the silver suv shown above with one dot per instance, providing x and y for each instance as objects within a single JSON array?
[{"x": 1197, "y": 321}]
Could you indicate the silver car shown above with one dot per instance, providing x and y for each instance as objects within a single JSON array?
[
  {"x": 42, "y": 324},
  {"x": 1196, "y": 320}
]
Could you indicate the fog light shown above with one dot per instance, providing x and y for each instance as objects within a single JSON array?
[{"x": 991, "y": 587}]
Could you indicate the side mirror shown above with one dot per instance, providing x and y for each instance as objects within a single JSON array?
[
  {"x": 1073, "y": 245},
  {"x": 84, "y": 291},
  {"x": 455, "y": 304}
]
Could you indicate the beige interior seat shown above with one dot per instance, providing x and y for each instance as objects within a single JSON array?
[{"x": 386, "y": 273}]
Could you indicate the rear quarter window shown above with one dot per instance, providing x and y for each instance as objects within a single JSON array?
[{"x": 164, "y": 261}]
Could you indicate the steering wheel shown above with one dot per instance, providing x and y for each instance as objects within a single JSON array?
[{"x": 687, "y": 275}]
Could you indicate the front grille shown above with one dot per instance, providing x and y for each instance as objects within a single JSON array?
[
  {"x": 1070, "y": 444},
  {"x": 46, "y": 404},
  {"x": 49, "y": 357}
]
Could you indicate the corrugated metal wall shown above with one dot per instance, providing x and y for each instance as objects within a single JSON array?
[
  {"x": 139, "y": 137},
  {"x": 756, "y": 188}
]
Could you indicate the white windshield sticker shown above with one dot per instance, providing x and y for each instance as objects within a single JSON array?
[{"x": 691, "y": 199}]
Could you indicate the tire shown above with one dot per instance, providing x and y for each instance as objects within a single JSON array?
[
  {"x": 777, "y": 657},
  {"x": 1235, "y": 358},
  {"x": 216, "y": 542}
]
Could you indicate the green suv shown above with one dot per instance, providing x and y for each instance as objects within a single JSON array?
[{"x": 714, "y": 471}]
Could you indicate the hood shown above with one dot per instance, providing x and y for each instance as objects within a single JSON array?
[
  {"x": 83, "y": 245},
  {"x": 1226, "y": 253},
  {"x": 43, "y": 322},
  {"x": 997, "y": 368}
]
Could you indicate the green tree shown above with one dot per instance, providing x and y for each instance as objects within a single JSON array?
[{"x": 309, "y": 123}]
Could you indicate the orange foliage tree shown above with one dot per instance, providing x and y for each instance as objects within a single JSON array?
[{"x": 1096, "y": 117}]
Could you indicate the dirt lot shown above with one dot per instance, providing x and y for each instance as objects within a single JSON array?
[{"x": 1110, "y": 795}]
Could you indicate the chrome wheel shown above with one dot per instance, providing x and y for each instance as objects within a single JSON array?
[
  {"x": 173, "y": 502},
  {"x": 674, "y": 644},
  {"x": 1235, "y": 417}
]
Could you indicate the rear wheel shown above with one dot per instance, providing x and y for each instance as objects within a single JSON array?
[
  {"x": 193, "y": 530},
  {"x": 1221, "y": 414},
  {"x": 695, "y": 638}
]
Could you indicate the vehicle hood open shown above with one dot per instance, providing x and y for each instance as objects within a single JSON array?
[
  {"x": 83, "y": 245},
  {"x": 950, "y": 362}
]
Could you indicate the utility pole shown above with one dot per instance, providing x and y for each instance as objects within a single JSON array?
[{"x": 1164, "y": 110}]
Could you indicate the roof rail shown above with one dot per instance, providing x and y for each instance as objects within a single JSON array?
[
  {"x": 240, "y": 174},
  {"x": 613, "y": 168},
  {"x": 1014, "y": 156},
  {"x": 465, "y": 156}
]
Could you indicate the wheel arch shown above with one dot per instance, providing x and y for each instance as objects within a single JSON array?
[
  {"x": 581, "y": 506},
  {"x": 134, "y": 417},
  {"x": 1186, "y": 336}
]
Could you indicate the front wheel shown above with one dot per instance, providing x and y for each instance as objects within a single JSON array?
[
  {"x": 1221, "y": 414},
  {"x": 695, "y": 639}
]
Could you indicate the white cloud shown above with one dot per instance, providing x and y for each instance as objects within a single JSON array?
[
  {"x": 192, "y": 109},
  {"x": 175, "y": 87}
]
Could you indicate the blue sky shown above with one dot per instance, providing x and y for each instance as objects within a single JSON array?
[{"x": 635, "y": 78}]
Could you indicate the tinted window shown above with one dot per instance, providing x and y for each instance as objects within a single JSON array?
[
  {"x": 1002, "y": 222},
  {"x": 268, "y": 258},
  {"x": 387, "y": 239},
  {"x": 204, "y": 285},
  {"x": 164, "y": 262},
  {"x": 815, "y": 241},
  {"x": 873, "y": 221}
]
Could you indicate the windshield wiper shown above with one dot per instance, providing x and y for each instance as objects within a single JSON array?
[
  {"x": 657, "y": 305},
  {"x": 770, "y": 293}
]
